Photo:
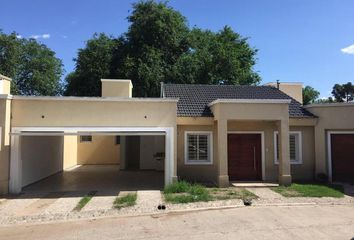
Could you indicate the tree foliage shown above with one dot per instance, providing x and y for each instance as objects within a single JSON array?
[
  {"x": 343, "y": 92},
  {"x": 160, "y": 47},
  {"x": 93, "y": 63},
  {"x": 32, "y": 66},
  {"x": 309, "y": 95}
]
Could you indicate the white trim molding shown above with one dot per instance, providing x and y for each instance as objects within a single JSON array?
[
  {"x": 96, "y": 99},
  {"x": 255, "y": 101},
  {"x": 116, "y": 80},
  {"x": 262, "y": 146},
  {"x": 329, "y": 149},
  {"x": 292, "y": 161},
  {"x": 210, "y": 148},
  {"x": 336, "y": 104}
]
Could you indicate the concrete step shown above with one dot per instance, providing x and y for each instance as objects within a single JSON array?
[{"x": 254, "y": 184}]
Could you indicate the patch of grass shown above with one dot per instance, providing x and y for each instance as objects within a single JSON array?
[
  {"x": 84, "y": 200},
  {"x": 177, "y": 187},
  {"x": 125, "y": 201},
  {"x": 310, "y": 190},
  {"x": 184, "y": 192}
]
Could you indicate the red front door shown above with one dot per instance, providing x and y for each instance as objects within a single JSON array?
[
  {"x": 244, "y": 156},
  {"x": 342, "y": 149}
]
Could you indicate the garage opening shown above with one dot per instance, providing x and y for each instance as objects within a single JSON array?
[
  {"x": 86, "y": 161},
  {"x": 342, "y": 157}
]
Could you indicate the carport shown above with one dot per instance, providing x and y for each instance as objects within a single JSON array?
[{"x": 30, "y": 144}]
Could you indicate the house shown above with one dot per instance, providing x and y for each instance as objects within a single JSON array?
[{"x": 206, "y": 133}]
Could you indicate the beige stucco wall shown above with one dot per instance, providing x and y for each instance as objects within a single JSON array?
[
  {"x": 82, "y": 113},
  {"x": 116, "y": 88},
  {"x": 5, "y": 85},
  {"x": 339, "y": 117},
  {"x": 102, "y": 150},
  {"x": 5, "y": 114},
  {"x": 70, "y": 151},
  {"x": 251, "y": 111},
  {"x": 202, "y": 173},
  {"x": 306, "y": 170},
  {"x": 41, "y": 156}
]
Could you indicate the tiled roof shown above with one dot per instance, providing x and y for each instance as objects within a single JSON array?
[{"x": 194, "y": 99}]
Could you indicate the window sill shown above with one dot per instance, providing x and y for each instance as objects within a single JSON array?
[
  {"x": 197, "y": 163},
  {"x": 291, "y": 163}
]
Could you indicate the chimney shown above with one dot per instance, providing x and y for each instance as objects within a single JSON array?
[
  {"x": 116, "y": 88},
  {"x": 5, "y": 85},
  {"x": 294, "y": 89}
]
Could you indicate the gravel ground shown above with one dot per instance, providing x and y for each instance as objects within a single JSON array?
[
  {"x": 269, "y": 197},
  {"x": 211, "y": 204},
  {"x": 147, "y": 202},
  {"x": 102, "y": 201},
  {"x": 65, "y": 204}
]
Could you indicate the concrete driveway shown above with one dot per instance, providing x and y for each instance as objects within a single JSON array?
[{"x": 300, "y": 222}]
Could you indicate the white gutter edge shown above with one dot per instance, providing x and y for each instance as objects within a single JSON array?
[
  {"x": 257, "y": 101},
  {"x": 99, "y": 99},
  {"x": 343, "y": 104}
]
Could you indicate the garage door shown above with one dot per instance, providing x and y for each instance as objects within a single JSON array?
[
  {"x": 244, "y": 157},
  {"x": 342, "y": 151}
]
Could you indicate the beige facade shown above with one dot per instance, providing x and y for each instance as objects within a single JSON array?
[
  {"x": 62, "y": 120},
  {"x": 70, "y": 151},
  {"x": 331, "y": 117},
  {"x": 102, "y": 150},
  {"x": 117, "y": 88},
  {"x": 88, "y": 112}
]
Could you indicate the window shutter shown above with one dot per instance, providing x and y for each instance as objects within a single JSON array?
[
  {"x": 292, "y": 147},
  {"x": 192, "y": 147},
  {"x": 203, "y": 148}
]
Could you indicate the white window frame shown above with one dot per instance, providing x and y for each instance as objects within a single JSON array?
[
  {"x": 210, "y": 148},
  {"x": 83, "y": 141},
  {"x": 292, "y": 161},
  {"x": 1, "y": 137}
]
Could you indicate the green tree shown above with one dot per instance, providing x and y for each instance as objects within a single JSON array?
[
  {"x": 309, "y": 95},
  {"x": 217, "y": 58},
  {"x": 156, "y": 38},
  {"x": 160, "y": 47},
  {"x": 93, "y": 63},
  {"x": 343, "y": 92},
  {"x": 32, "y": 66}
]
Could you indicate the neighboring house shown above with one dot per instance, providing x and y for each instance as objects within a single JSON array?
[{"x": 206, "y": 133}]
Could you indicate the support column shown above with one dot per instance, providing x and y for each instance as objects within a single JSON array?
[
  {"x": 69, "y": 150},
  {"x": 284, "y": 155},
  {"x": 223, "y": 178},
  {"x": 15, "y": 185},
  {"x": 170, "y": 157},
  {"x": 5, "y": 124},
  {"x": 122, "y": 160}
]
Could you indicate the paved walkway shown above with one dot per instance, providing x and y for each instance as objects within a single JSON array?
[{"x": 300, "y": 222}]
